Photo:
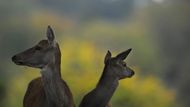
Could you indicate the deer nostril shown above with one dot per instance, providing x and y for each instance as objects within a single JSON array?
[
  {"x": 17, "y": 60},
  {"x": 14, "y": 58},
  {"x": 132, "y": 73}
]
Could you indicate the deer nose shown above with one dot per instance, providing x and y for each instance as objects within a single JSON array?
[
  {"x": 14, "y": 58},
  {"x": 17, "y": 60},
  {"x": 132, "y": 73}
]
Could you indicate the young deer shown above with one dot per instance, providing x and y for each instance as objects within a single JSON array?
[
  {"x": 49, "y": 90},
  {"x": 115, "y": 69}
]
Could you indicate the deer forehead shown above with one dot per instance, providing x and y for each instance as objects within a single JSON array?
[
  {"x": 116, "y": 61},
  {"x": 43, "y": 43}
]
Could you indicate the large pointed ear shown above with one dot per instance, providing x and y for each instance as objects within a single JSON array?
[
  {"x": 107, "y": 57},
  {"x": 50, "y": 35},
  {"x": 123, "y": 55}
]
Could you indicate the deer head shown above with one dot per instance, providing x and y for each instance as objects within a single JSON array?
[
  {"x": 39, "y": 55},
  {"x": 116, "y": 65}
]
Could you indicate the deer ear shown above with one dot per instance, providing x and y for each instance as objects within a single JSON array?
[
  {"x": 107, "y": 57},
  {"x": 50, "y": 35},
  {"x": 123, "y": 55}
]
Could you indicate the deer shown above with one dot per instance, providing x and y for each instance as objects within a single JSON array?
[
  {"x": 48, "y": 90},
  {"x": 115, "y": 69}
]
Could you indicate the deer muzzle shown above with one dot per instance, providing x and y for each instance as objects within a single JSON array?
[{"x": 17, "y": 60}]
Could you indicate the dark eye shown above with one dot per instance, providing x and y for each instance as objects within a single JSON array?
[
  {"x": 38, "y": 48},
  {"x": 124, "y": 64}
]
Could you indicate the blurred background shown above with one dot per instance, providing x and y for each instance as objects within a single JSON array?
[{"x": 157, "y": 30}]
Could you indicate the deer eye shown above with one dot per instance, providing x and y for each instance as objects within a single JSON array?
[
  {"x": 38, "y": 48},
  {"x": 124, "y": 64}
]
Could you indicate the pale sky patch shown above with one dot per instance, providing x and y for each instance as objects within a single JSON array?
[{"x": 158, "y": 1}]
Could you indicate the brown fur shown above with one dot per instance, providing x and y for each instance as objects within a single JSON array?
[{"x": 35, "y": 94}]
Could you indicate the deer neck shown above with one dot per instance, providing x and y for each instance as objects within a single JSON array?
[
  {"x": 106, "y": 86},
  {"x": 53, "y": 69},
  {"x": 108, "y": 80},
  {"x": 53, "y": 84}
]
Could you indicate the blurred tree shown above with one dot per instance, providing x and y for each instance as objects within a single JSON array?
[
  {"x": 84, "y": 10},
  {"x": 179, "y": 1},
  {"x": 171, "y": 24}
]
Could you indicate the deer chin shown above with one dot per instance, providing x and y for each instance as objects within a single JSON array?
[
  {"x": 40, "y": 66},
  {"x": 28, "y": 65},
  {"x": 18, "y": 62}
]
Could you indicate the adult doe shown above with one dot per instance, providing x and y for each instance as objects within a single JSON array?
[
  {"x": 49, "y": 90},
  {"x": 115, "y": 69}
]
